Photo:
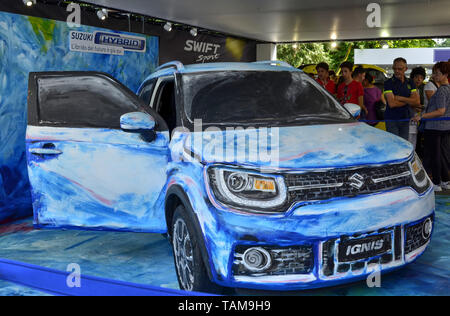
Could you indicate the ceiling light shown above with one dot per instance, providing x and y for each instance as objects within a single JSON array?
[
  {"x": 168, "y": 26},
  {"x": 334, "y": 36},
  {"x": 384, "y": 33},
  {"x": 29, "y": 3},
  {"x": 193, "y": 31},
  {"x": 102, "y": 14}
]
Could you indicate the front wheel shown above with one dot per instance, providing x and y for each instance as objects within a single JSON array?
[{"x": 191, "y": 271}]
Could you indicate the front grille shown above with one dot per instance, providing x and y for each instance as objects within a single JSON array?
[
  {"x": 416, "y": 236},
  {"x": 331, "y": 264},
  {"x": 314, "y": 186},
  {"x": 285, "y": 261}
]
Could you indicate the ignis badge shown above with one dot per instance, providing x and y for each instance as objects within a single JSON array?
[{"x": 364, "y": 248}]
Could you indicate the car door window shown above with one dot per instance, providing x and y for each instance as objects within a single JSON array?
[
  {"x": 165, "y": 103},
  {"x": 147, "y": 91},
  {"x": 83, "y": 101}
]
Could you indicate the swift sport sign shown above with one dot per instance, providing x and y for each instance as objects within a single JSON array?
[
  {"x": 106, "y": 43},
  {"x": 205, "y": 48}
]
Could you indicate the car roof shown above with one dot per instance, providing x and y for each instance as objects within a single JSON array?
[{"x": 177, "y": 67}]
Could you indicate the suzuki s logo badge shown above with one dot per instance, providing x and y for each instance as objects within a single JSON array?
[{"x": 356, "y": 181}]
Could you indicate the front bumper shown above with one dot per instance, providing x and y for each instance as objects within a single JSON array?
[{"x": 307, "y": 246}]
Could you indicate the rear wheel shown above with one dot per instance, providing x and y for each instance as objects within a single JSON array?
[{"x": 191, "y": 271}]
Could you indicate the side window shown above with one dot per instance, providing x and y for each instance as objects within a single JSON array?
[
  {"x": 83, "y": 101},
  {"x": 165, "y": 103},
  {"x": 147, "y": 91}
]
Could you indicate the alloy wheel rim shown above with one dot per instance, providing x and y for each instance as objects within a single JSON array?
[{"x": 184, "y": 259}]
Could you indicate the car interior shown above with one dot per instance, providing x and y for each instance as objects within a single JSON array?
[{"x": 166, "y": 106}]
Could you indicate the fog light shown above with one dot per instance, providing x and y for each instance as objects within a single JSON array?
[
  {"x": 257, "y": 259},
  {"x": 427, "y": 228}
]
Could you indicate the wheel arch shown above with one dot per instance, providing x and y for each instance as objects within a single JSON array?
[{"x": 175, "y": 196}]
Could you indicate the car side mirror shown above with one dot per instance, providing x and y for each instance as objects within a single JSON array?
[
  {"x": 137, "y": 122},
  {"x": 354, "y": 109}
]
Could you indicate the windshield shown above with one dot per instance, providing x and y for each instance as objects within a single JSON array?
[{"x": 228, "y": 97}]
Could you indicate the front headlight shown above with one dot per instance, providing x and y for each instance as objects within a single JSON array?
[
  {"x": 247, "y": 190},
  {"x": 419, "y": 175}
]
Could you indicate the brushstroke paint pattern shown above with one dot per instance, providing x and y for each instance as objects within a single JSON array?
[
  {"x": 111, "y": 180},
  {"x": 30, "y": 44},
  {"x": 303, "y": 147}
]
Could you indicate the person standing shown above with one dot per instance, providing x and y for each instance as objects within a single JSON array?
[
  {"x": 359, "y": 74},
  {"x": 350, "y": 91},
  {"x": 372, "y": 95},
  {"x": 436, "y": 131},
  {"x": 333, "y": 76},
  {"x": 401, "y": 94},
  {"x": 429, "y": 89},
  {"x": 417, "y": 75},
  {"x": 324, "y": 78}
]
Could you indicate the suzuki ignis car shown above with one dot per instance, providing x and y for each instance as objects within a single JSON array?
[{"x": 258, "y": 176}]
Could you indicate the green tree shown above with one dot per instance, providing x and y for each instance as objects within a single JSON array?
[
  {"x": 338, "y": 55},
  {"x": 305, "y": 53},
  {"x": 312, "y": 53}
]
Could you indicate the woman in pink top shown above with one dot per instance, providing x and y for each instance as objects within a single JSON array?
[{"x": 371, "y": 96}]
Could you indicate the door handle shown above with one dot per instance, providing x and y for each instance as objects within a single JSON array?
[{"x": 46, "y": 149}]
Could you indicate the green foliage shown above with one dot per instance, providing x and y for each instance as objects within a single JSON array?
[
  {"x": 309, "y": 53},
  {"x": 313, "y": 53},
  {"x": 43, "y": 29}
]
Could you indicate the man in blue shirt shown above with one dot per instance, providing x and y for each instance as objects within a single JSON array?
[{"x": 402, "y": 98}]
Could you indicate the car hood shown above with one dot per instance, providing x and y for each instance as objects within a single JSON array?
[{"x": 298, "y": 147}]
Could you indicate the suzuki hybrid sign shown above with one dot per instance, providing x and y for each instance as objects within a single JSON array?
[{"x": 106, "y": 43}]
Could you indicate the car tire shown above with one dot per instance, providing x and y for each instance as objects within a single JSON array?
[{"x": 189, "y": 265}]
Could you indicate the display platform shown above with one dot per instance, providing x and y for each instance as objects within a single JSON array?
[{"x": 147, "y": 259}]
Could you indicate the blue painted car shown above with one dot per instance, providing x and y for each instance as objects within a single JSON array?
[{"x": 260, "y": 178}]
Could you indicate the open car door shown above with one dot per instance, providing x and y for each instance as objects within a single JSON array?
[{"x": 84, "y": 170}]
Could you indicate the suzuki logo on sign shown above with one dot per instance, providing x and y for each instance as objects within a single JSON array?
[{"x": 356, "y": 181}]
